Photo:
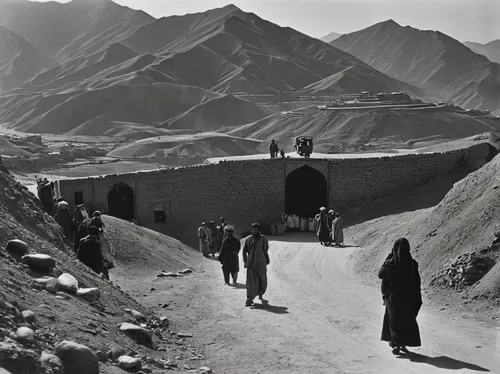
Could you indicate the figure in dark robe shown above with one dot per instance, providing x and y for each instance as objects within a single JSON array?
[
  {"x": 204, "y": 237},
  {"x": 402, "y": 297},
  {"x": 228, "y": 256},
  {"x": 338, "y": 230},
  {"x": 256, "y": 259},
  {"x": 45, "y": 190},
  {"x": 63, "y": 217},
  {"x": 323, "y": 227},
  {"x": 273, "y": 149},
  {"x": 89, "y": 251}
]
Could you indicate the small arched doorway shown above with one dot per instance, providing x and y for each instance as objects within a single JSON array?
[
  {"x": 121, "y": 202},
  {"x": 306, "y": 190}
]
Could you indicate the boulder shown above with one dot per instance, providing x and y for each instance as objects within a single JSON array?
[
  {"x": 52, "y": 285},
  {"x": 164, "y": 322},
  {"x": 16, "y": 359},
  {"x": 186, "y": 271},
  {"x": 89, "y": 293},
  {"x": 67, "y": 283},
  {"x": 17, "y": 247},
  {"x": 115, "y": 352},
  {"x": 28, "y": 315},
  {"x": 77, "y": 358},
  {"x": 129, "y": 363},
  {"x": 137, "y": 333},
  {"x": 52, "y": 362},
  {"x": 137, "y": 315},
  {"x": 39, "y": 261},
  {"x": 205, "y": 370},
  {"x": 25, "y": 335}
]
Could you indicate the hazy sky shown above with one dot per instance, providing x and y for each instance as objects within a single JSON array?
[{"x": 465, "y": 20}]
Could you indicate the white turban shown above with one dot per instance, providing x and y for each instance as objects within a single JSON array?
[
  {"x": 330, "y": 211},
  {"x": 322, "y": 208}
]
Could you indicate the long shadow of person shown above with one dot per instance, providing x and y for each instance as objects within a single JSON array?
[
  {"x": 442, "y": 362},
  {"x": 271, "y": 308},
  {"x": 239, "y": 286}
]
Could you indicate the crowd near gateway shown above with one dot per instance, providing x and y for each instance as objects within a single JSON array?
[{"x": 400, "y": 277}]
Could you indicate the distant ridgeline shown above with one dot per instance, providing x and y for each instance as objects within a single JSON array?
[{"x": 174, "y": 201}]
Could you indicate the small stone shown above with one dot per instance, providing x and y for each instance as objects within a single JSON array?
[
  {"x": 52, "y": 362},
  {"x": 136, "y": 332},
  {"x": 101, "y": 356},
  {"x": 89, "y": 293},
  {"x": 184, "y": 335},
  {"x": 164, "y": 322},
  {"x": 186, "y": 271},
  {"x": 52, "y": 285},
  {"x": 115, "y": 352},
  {"x": 77, "y": 358},
  {"x": 205, "y": 370},
  {"x": 68, "y": 283},
  {"x": 129, "y": 363},
  {"x": 169, "y": 274},
  {"x": 39, "y": 262},
  {"x": 17, "y": 247},
  {"x": 28, "y": 315},
  {"x": 25, "y": 335}
]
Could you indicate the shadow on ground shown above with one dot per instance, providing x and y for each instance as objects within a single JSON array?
[
  {"x": 271, "y": 308},
  {"x": 443, "y": 362}
]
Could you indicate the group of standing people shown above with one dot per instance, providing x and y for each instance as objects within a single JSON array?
[
  {"x": 330, "y": 227},
  {"x": 210, "y": 237}
]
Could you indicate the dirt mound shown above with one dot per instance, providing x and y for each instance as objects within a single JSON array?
[
  {"x": 139, "y": 252},
  {"x": 28, "y": 301},
  {"x": 427, "y": 59},
  {"x": 458, "y": 230},
  {"x": 202, "y": 145},
  {"x": 361, "y": 127}
]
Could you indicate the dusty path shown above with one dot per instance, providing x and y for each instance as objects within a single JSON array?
[{"x": 320, "y": 319}]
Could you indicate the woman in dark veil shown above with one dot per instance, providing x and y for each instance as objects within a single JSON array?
[{"x": 402, "y": 298}]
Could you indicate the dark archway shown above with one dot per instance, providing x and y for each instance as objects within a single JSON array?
[
  {"x": 121, "y": 202},
  {"x": 306, "y": 190}
]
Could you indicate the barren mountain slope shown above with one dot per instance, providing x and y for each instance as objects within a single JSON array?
[
  {"x": 359, "y": 127},
  {"x": 490, "y": 50},
  {"x": 464, "y": 221},
  {"x": 19, "y": 60},
  {"x": 428, "y": 59},
  {"x": 66, "y": 316},
  {"x": 202, "y": 145},
  {"x": 330, "y": 37},
  {"x": 71, "y": 29}
]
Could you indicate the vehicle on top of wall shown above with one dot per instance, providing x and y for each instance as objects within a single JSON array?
[{"x": 304, "y": 145}]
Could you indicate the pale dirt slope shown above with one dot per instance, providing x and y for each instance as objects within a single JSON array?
[
  {"x": 320, "y": 319},
  {"x": 464, "y": 221},
  {"x": 427, "y": 59}
]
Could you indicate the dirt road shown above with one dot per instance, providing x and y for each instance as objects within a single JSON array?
[{"x": 320, "y": 318}]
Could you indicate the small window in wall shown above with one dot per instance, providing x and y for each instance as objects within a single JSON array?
[
  {"x": 160, "y": 216},
  {"x": 78, "y": 197}
]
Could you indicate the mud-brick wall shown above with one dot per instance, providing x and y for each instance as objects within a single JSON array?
[
  {"x": 240, "y": 191},
  {"x": 353, "y": 181}
]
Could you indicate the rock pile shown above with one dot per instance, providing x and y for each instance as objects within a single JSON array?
[{"x": 464, "y": 271}]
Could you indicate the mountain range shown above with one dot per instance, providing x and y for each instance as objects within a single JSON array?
[
  {"x": 491, "y": 50},
  {"x": 96, "y": 67},
  {"x": 430, "y": 60}
]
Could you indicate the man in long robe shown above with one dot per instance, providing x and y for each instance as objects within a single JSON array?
[
  {"x": 256, "y": 259},
  {"x": 215, "y": 240},
  {"x": 338, "y": 230},
  {"x": 204, "y": 236},
  {"x": 323, "y": 228},
  {"x": 402, "y": 298},
  {"x": 228, "y": 255}
]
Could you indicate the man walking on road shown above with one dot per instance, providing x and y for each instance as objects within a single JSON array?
[
  {"x": 228, "y": 255},
  {"x": 256, "y": 259}
]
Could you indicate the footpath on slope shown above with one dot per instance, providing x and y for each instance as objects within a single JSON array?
[{"x": 320, "y": 318}]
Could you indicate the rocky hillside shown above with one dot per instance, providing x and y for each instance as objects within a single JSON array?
[
  {"x": 427, "y": 59},
  {"x": 456, "y": 242},
  {"x": 55, "y": 312}
]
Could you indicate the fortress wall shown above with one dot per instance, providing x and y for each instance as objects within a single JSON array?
[{"x": 247, "y": 191}]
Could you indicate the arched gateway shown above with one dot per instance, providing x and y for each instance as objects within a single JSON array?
[
  {"x": 306, "y": 190},
  {"x": 121, "y": 202}
]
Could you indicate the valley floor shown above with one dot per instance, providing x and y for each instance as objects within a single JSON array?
[{"x": 320, "y": 318}]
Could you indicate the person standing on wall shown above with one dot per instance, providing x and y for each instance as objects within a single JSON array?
[
  {"x": 256, "y": 259},
  {"x": 203, "y": 236},
  {"x": 402, "y": 298},
  {"x": 228, "y": 255},
  {"x": 273, "y": 149}
]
